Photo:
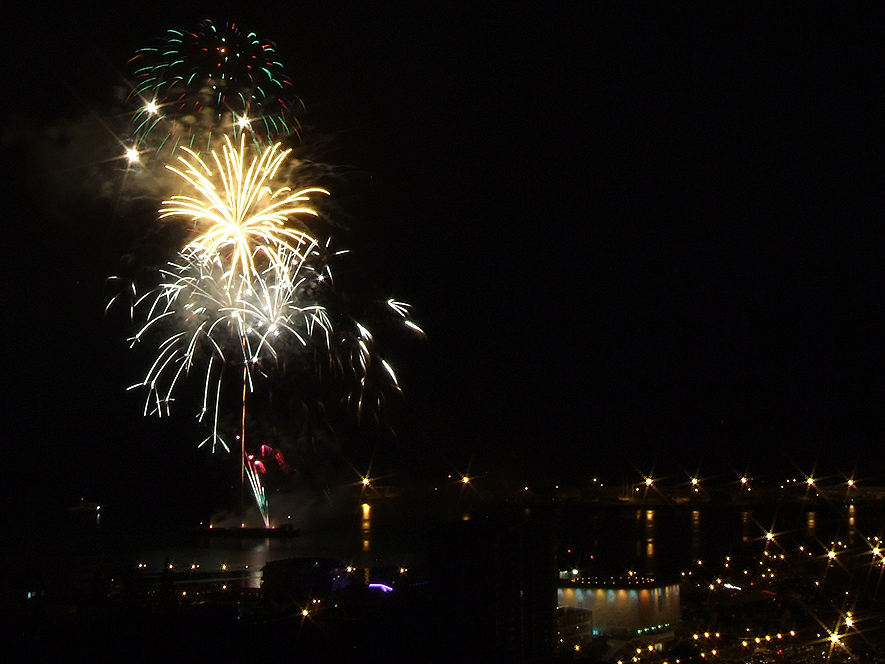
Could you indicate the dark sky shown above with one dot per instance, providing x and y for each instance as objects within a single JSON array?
[{"x": 633, "y": 234}]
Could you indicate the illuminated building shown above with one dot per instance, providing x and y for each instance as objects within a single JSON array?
[{"x": 622, "y": 608}]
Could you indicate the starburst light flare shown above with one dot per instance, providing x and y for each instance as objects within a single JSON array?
[{"x": 235, "y": 211}]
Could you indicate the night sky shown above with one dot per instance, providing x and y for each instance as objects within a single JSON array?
[{"x": 634, "y": 235}]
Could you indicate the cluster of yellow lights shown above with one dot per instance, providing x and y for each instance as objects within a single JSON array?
[
  {"x": 649, "y": 481},
  {"x": 696, "y": 483},
  {"x": 767, "y": 638},
  {"x": 630, "y": 579},
  {"x": 194, "y": 566},
  {"x": 835, "y": 636}
]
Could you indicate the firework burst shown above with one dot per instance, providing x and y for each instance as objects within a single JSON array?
[
  {"x": 237, "y": 330},
  {"x": 236, "y": 212},
  {"x": 197, "y": 84},
  {"x": 201, "y": 325}
]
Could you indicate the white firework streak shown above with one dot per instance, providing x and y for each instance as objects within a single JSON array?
[{"x": 214, "y": 325}]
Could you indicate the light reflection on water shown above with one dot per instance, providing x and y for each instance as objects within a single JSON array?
[
  {"x": 349, "y": 536},
  {"x": 366, "y": 526},
  {"x": 746, "y": 524},
  {"x": 225, "y": 555},
  {"x": 664, "y": 541},
  {"x": 661, "y": 540}
]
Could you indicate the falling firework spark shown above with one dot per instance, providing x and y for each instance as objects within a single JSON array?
[
  {"x": 201, "y": 325},
  {"x": 371, "y": 375}
]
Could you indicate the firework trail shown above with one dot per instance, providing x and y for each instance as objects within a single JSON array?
[{"x": 252, "y": 468}]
